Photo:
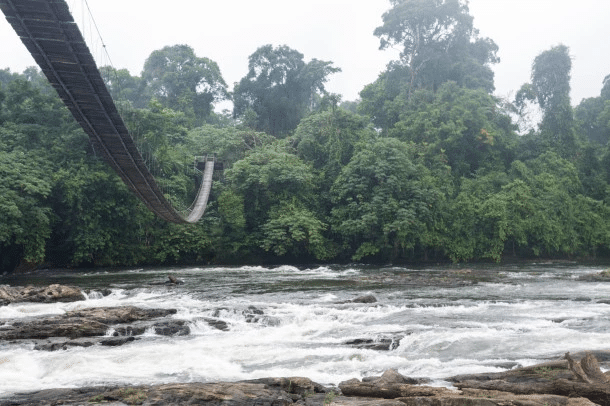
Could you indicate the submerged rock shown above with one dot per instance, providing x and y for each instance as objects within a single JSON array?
[
  {"x": 59, "y": 343},
  {"x": 56, "y": 344},
  {"x": 360, "y": 299},
  {"x": 49, "y": 294},
  {"x": 603, "y": 276},
  {"x": 379, "y": 344},
  {"x": 131, "y": 330},
  {"x": 449, "y": 278},
  {"x": 218, "y": 324},
  {"x": 172, "y": 328},
  {"x": 97, "y": 294},
  {"x": 365, "y": 299},
  {"x": 171, "y": 280},
  {"x": 253, "y": 314},
  {"x": 116, "y": 341}
]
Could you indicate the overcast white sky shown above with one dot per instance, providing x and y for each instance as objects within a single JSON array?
[{"x": 228, "y": 31}]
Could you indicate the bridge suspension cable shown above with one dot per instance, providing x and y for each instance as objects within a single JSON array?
[{"x": 49, "y": 32}]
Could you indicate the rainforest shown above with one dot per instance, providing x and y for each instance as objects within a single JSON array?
[{"x": 426, "y": 166}]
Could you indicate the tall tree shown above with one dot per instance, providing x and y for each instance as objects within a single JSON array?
[
  {"x": 125, "y": 88},
  {"x": 438, "y": 43},
  {"x": 466, "y": 124},
  {"x": 181, "y": 80},
  {"x": 279, "y": 89},
  {"x": 550, "y": 88}
]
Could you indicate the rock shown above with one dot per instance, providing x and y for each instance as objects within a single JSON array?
[
  {"x": 570, "y": 378},
  {"x": 132, "y": 330},
  {"x": 97, "y": 294},
  {"x": 226, "y": 394},
  {"x": 121, "y": 314},
  {"x": 49, "y": 294},
  {"x": 392, "y": 385},
  {"x": 493, "y": 398},
  {"x": 294, "y": 385},
  {"x": 55, "y": 344},
  {"x": 172, "y": 328},
  {"x": 253, "y": 314},
  {"x": 345, "y": 401},
  {"x": 587, "y": 370},
  {"x": 285, "y": 392},
  {"x": 219, "y": 324},
  {"x": 79, "y": 323},
  {"x": 171, "y": 280},
  {"x": 540, "y": 373},
  {"x": 380, "y": 344},
  {"x": 360, "y": 299},
  {"x": 219, "y": 310},
  {"x": 381, "y": 389},
  {"x": 365, "y": 299},
  {"x": 449, "y": 278},
  {"x": 393, "y": 376},
  {"x": 174, "y": 281},
  {"x": 58, "y": 326},
  {"x": 603, "y": 276},
  {"x": 116, "y": 341}
]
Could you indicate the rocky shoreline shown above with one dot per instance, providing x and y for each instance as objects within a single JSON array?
[
  {"x": 550, "y": 384},
  {"x": 574, "y": 380}
]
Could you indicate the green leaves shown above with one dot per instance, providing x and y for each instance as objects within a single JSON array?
[
  {"x": 24, "y": 210},
  {"x": 185, "y": 82},
  {"x": 279, "y": 89},
  {"x": 438, "y": 44},
  {"x": 381, "y": 200},
  {"x": 296, "y": 231},
  {"x": 465, "y": 123}
]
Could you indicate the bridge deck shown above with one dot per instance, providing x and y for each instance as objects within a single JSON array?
[{"x": 50, "y": 34}]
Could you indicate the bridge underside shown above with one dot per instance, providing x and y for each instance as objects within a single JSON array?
[{"x": 50, "y": 34}]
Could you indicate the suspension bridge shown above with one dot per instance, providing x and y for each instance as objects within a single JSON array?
[{"x": 49, "y": 32}]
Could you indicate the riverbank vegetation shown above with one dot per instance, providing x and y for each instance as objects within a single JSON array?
[{"x": 427, "y": 165}]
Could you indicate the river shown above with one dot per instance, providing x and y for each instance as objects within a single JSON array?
[{"x": 525, "y": 314}]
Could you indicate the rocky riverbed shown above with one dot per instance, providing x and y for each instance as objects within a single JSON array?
[{"x": 576, "y": 379}]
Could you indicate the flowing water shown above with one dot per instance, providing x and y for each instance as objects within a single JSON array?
[{"x": 528, "y": 314}]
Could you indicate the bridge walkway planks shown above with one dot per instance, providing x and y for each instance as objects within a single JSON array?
[{"x": 50, "y": 34}]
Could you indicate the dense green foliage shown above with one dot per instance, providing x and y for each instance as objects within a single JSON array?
[{"x": 428, "y": 165}]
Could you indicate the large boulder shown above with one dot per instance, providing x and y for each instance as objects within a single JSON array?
[
  {"x": 48, "y": 294},
  {"x": 393, "y": 385},
  {"x": 79, "y": 323}
]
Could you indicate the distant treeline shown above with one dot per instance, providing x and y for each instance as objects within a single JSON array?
[{"x": 426, "y": 165}]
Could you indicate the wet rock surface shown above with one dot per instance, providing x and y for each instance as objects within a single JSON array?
[
  {"x": 171, "y": 280},
  {"x": 86, "y": 327},
  {"x": 217, "y": 324},
  {"x": 603, "y": 276},
  {"x": 378, "y": 344},
  {"x": 172, "y": 328},
  {"x": 389, "y": 389},
  {"x": 575, "y": 376},
  {"x": 48, "y": 294},
  {"x": 442, "y": 279}
]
